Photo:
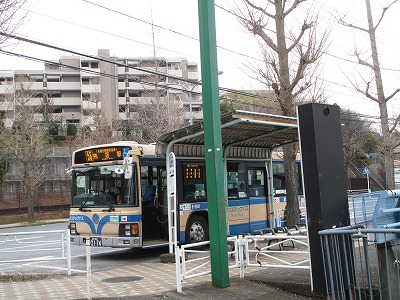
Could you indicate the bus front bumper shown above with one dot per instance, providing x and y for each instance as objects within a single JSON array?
[{"x": 112, "y": 241}]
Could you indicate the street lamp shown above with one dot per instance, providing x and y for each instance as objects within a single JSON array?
[{"x": 189, "y": 92}]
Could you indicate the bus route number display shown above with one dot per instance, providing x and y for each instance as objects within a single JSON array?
[
  {"x": 99, "y": 155},
  {"x": 194, "y": 171}
]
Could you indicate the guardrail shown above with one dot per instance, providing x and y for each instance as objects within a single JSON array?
[
  {"x": 20, "y": 242},
  {"x": 357, "y": 267},
  {"x": 268, "y": 250}
]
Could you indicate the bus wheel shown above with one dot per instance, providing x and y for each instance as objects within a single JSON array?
[{"x": 197, "y": 230}]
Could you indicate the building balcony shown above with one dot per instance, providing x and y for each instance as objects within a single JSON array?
[
  {"x": 62, "y": 86},
  {"x": 176, "y": 73},
  {"x": 91, "y": 105},
  {"x": 90, "y": 72},
  {"x": 122, "y": 116},
  {"x": 5, "y": 106},
  {"x": 66, "y": 101},
  {"x": 91, "y": 88},
  {"x": 193, "y": 76},
  {"x": 146, "y": 100},
  {"x": 6, "y": 88},
  {"x": 122, "y": 100}
]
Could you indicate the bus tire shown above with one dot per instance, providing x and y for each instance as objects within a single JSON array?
[{"x": 197, "y": 230}]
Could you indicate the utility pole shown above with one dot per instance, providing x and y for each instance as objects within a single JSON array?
[{"x": 213, "y": 145}]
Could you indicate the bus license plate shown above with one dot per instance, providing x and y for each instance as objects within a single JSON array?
[{"x": 95, "y": 242}]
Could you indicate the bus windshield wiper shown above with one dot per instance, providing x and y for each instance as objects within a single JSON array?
[
  {"x": 82, "y": 208},
  {"x": 110, "y": 208}
]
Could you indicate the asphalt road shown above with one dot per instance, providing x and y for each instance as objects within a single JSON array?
[{"x": 23, "y": 247}]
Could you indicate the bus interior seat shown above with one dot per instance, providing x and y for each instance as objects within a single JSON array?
[
  {"x": 233, "y": 192},
  {"x": 149, "y": 195},
  {"x": 190, "y": 191}
]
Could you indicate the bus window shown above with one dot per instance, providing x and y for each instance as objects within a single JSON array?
[
  {"x": 236, "y": 180},
  {"x": 149, "y": 184},
  {"x": 256, "y": 182},
  {"x": 194, "y": 182},
  {"x": 102, "y": 186},
  {"x": 279, "y": 178}
]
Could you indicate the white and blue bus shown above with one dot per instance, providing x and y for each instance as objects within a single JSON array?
[{"x": 124, "y": 204}]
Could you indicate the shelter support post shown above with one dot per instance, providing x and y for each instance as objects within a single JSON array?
[{"x": 213, "y": 145}]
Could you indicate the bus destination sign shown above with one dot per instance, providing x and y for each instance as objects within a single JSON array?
[
  {"x": 100, "y": 154},
  {"x": 194, "y": 171}
]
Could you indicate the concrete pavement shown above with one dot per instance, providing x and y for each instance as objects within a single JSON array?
[
  {"x": 156, "y": 280},
  {"x": 151, "y": 279}
]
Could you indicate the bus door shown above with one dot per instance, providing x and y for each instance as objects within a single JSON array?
[
  {"x": 256, "y": 186},
  {"x": 154, "y": 214}
]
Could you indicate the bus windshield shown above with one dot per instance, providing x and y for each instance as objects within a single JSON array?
[{"x": 101, "y": 186}]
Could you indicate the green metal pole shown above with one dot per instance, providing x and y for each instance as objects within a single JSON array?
[{"x": 213, "y": 145}]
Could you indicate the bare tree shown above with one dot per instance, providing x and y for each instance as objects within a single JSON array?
[
  {"x": 10, "y": 18},
  {"x": 357, "y": 136},
  {"x": 100, "y": 126},
  {"x": 27, "y": 140},
  {"x": 290, "y": 67},
  {"x": 163, "y": 112},
  {"x": 388, "y": 131}
]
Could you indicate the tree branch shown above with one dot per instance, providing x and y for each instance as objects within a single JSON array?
[
  {"x": 392, "y": 95},
  {"x": 294, "y": 5},
  {"x": 259, "y": 8},
  {"x": 342, "y": 22},
  {"x": 297, "y": 40},
  {"x": 395, "y": 124},
  {"x": 383, "y": 13},
  {"x": 362, "y": 62}
]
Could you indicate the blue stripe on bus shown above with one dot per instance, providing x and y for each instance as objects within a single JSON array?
[
  {"x": 204, "y": 205},
  {"x": 106, "y": 219},
  {"x": 83, "y": 219},
  {"x": 251, "y": 201}
]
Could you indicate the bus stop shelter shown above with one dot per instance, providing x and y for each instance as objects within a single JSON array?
[{"x": 245, "y": 135}]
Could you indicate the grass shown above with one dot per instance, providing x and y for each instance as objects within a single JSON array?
[{"x": 39, "y": 216}]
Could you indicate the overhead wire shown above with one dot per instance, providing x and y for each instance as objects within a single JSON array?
[
  {"x": 187, "y": 36},
  {"x": 176, "y": 32},
  {"x": 152, "y": 83}
]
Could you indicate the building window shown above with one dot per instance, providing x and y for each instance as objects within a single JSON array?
[
  {"x": 94, "y": 80},
  {"x": 53, "y": 79},
  {"x": 85, "y": 81},
  {"x": 94, "y": 65},
  {"x": 134, "y": 94},
  {"x": 121, "y": 93},
  {"x": 84, "y": 64}
]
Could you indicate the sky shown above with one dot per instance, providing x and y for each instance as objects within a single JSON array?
[{"x": 125, "y": 28}]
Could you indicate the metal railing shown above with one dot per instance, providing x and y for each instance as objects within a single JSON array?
[
  {"x": 276, "y": 250},
  {"x": 356, "y": 267},
  {"x": 36, "y": 244}
]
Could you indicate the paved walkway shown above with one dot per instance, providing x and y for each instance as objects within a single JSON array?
[{"x": 150, "y": 280}]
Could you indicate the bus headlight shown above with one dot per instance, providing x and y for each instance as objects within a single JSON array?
[
  {"x": 72, "y": 229},
  {"x": 129, "y": 229}
]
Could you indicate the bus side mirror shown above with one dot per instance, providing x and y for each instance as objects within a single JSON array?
[{"x": 128, "y": 172}]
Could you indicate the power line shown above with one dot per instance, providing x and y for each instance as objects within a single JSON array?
[{"x": 238, "y": 92}]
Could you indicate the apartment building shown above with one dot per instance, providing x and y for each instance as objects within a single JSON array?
[{"x": 123, "y": 83}]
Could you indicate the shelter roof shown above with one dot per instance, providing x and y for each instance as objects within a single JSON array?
[{"x": 244, "y": 135}]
